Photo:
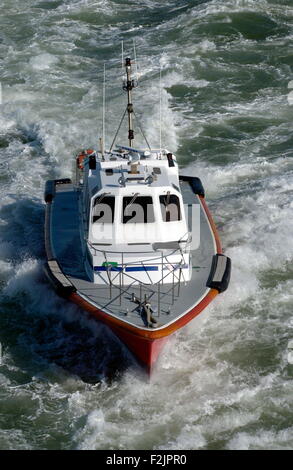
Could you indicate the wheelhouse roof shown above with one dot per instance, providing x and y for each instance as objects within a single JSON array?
[{"x": 135, "y": 172}]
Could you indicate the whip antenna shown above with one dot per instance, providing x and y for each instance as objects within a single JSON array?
[
  {"x": 160, "y": 107},
  {"x": 122, "y": 59},
  {"x": 135, "y": 61},
  {"x": 103, "y": 120}
]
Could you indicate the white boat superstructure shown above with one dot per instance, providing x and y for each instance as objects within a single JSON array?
[{"x": 135, "y": 221}]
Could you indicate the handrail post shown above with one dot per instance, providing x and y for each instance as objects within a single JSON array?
[
  {"x": 120, "y": 286},
  {"x": 122, "y": 266},
  {"x": 179, "y": 282},
  {"x": 173, "y": 276},
  {"x": 110, "y": 281},
  {"x": 159, "y": 299}
]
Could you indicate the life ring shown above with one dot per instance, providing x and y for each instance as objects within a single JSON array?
[
  {"x": 79, "y": 161},
  {"x": 81, "y": 156}
]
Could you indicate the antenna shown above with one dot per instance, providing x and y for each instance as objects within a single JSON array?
[
  {"x": 103, "y": 126},
  {"x": 135, "y": 61},
  {"x": 128, "y": 86},
  {"x": 122, "y": 59},
  {"x": 160, "y": 91}
]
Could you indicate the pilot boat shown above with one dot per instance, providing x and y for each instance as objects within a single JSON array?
[{"x": 132, "y": 241}]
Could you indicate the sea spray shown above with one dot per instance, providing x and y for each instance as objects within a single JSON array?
[{"x": 226, "y": 381}]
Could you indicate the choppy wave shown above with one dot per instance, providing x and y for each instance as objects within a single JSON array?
[{"x": 223, "y": 382}]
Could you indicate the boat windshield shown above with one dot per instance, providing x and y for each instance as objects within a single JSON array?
[
  {"x": 103, "y": 210},
  {"x": 138, "y": 209},
  {"x": 170, "y": 207}
]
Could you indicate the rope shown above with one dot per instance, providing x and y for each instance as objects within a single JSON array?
[
  {"x": 118, "y": 129},
  {"x": 140, "y": 128}
]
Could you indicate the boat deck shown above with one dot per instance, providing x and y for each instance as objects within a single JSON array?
[{"x": 168, "y": 301}]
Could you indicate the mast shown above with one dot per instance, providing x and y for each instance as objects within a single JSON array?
[
  {"x": 128, "y": 86},
  {"x": 103, "y": 126}
]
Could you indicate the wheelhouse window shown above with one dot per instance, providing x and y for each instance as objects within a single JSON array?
[
  {"x": 103, "y": 209},
  {"x": 170, "y": 207},
  {"x": 137, "y": 209}
]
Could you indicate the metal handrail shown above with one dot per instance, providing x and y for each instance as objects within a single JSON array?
[
  {"x": 152, "y": 288},
  {"x": 143, "y": 261},
  {"x": 147, "y": 287},
  {"x": 97, "y": 250}
]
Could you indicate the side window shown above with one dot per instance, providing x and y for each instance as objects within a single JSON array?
[
  {"x": 103, "y": 209},
  {"x": 138, "y": 209},
  {"x": 170, "y": 207}
]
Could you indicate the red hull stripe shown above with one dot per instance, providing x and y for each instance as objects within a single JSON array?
[
  {"x": 212, "y": 224},
  {"x": 145, "y": 344},
  {"x": 140, "y": 332},
  {"x": 144, "y": 349}
]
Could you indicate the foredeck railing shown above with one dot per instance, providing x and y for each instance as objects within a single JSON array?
[{"x": 146, "y": 293}]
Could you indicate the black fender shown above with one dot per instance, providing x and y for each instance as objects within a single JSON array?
[
  {"x": 50, "y": 188},
  {"x": 195, "y": 184},
  {"x": 220, "y": 273},
  {"x": 63, "y": 289}
]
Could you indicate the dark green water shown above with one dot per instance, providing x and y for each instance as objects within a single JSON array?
[{"x": 224, "y": 382}]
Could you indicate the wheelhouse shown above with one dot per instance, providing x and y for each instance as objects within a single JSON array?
[
  {"x": 149, "y": 216},
  {"x": 135, "y": 219}
]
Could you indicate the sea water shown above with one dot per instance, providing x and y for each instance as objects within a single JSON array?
[{"x": 224, "y": 382}]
